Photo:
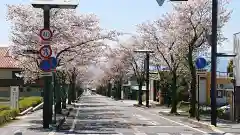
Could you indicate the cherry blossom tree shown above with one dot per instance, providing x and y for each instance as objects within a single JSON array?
[
  {"x": 119, "y": 69},
  {"x": 194, "y": 26},
  {"x": 135, "y": 61},
  {"x": 160, "y": 36},
  {"x": 75, "y": 35}
]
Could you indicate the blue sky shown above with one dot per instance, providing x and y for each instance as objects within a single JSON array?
[{"x": 123, "y": 15}]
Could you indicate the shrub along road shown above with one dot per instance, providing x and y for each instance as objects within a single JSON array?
[{"x": 7, "y": 114}]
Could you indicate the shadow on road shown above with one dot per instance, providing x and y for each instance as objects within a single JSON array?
[
  {"x": 95, "y": 106},
  {"x": 36, "y": 121}
]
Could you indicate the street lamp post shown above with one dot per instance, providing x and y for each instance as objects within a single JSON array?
[
  {"x": 46, "y": 5},
  {"x": 214, "y": 61},
  {"x": 147, "y": 52}
]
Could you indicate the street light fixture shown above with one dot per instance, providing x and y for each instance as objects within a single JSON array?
[
  {"x": 64, "y": 4},
  {"x": 147, "y": 52},
  {"x": 160, "y": 2},
  {"x": 226, "y": 55}
]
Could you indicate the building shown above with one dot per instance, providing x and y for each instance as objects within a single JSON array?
[
  {"x": 8, "y": 71},
  {"x": 224, "y": 87}
]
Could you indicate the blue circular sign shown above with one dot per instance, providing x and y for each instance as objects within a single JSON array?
[
  {"x": 201, "y": 63},
  {"x": 45, "y": 65}
]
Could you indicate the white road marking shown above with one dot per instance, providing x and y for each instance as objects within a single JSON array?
[
  {"x": 118, "y": 134},
  {"x": 140, "y": 117},
  {"x": 52, "y": 133},
  {"x": 140, "y": 133},
  {"x": 172, "y": 121},
  {"x": 161, "y": 126},
  {"x": 153, "y": 123},
  {"x": 163, "y": 133}
]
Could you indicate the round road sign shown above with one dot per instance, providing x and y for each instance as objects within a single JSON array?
[
  {"x": 45, "y": 51},
  {"x": 201, "y": 63},
  {"x": 45, "y": 34}
]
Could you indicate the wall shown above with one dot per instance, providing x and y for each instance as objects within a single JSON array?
[
  {"x": 222, "y": 80},
  {"x": 22, "y": 94},
  {"x": 7, "y": 73}
]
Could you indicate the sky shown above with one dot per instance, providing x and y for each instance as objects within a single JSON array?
[{"x": 123, "y": 15}]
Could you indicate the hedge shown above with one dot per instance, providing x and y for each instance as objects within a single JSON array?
[
  {"x": 4, "y": 107},
  {"x": 27, "y": 102},
  {"x": 7, "y": 114}
]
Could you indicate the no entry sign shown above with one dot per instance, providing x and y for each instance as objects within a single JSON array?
[{"x": 45, "y": 34}]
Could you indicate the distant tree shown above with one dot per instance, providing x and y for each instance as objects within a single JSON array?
[{"x": 230, "y": 68}]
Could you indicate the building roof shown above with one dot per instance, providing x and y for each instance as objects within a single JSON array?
[{"x": 6, "y": 60}]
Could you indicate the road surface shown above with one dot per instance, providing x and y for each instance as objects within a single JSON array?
[{"x": 100, "y": 115}]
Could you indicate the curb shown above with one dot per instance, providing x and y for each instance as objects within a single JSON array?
[
  {"x": 38, "y": 107},
  {"x": 212, "y": 127},
  {"x": 26, "y": 111}
]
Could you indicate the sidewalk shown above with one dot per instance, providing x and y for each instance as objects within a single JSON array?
[
  {"x": 30, "y": 124},
  {"x": 223, "y": 127}
]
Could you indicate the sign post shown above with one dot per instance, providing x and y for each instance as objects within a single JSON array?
[
  {"x": 14, "y": 97},
  {"x": 46, "y": 35},
  {"x": 200, "y": 64}
]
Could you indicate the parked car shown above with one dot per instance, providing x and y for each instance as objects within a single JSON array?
[{"x": 226, "y": 109}]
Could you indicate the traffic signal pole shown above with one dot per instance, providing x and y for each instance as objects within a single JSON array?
[{"x": 47, "y": 111}]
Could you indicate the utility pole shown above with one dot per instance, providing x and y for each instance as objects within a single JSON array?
[
  {"x": 214, "y": 62},
  {"x": 147, "y": 79},
  {"x": 147, "y": 52}
]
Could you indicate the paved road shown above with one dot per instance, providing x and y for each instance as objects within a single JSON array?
[{"x": 100, "y": 115}]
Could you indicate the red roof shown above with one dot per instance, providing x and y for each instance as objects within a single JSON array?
[{"x": 6, "y": 61}]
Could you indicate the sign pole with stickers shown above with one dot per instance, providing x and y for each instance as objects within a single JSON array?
[{"x": 45, "y": 53}]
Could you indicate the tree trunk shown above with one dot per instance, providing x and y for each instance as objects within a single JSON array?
[
  {"x": 140, "y": 93},
  {"x": 74, "y": 87},
  {"x": 174, "y": 93},
  {"x": 192, "y": 110},
  {"x": 64, "y": 106},
  {"x": 109, "y": 89},
  {"x": 58, "y": 97},
  {"x": 118, "y": 96},
  {"x": 120, "y": 88},
  {"x": 70, "y": 93}
]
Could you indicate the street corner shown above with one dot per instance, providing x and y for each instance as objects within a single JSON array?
[
  {"x": 206, "y": 125},
  {"x": 198, "y": 123}
]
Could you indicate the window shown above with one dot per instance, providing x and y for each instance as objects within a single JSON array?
[
  {"x": 14, "y": 74},
  {"x": 219, "y": 93}
]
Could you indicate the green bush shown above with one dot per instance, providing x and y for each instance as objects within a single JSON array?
[
  {"x": 8, "y": 115},
  {"x": 4, "y": 107},
  {"x": 29, "y": 102}
]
